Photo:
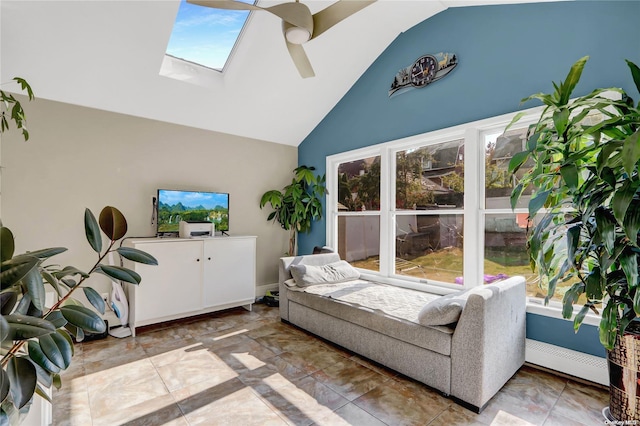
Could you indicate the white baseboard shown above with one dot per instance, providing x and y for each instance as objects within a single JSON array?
[
  {"x": 567, "y": 361},
  {"x": 261, "y": 290}
]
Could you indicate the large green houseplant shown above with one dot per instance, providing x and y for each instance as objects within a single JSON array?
[
  {"x": 37, "y": 340},
  {"x": 298, "y": 204},
  {"x": 585, "y": 154}
]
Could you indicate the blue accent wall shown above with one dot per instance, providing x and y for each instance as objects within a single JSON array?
[
  {"x": 505, "y": 53},
  {"x": 560, "y": 333}
]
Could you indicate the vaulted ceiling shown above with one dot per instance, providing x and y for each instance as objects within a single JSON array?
[{"x": 110, "y": 55}]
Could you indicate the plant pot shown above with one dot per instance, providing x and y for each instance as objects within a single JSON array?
[{"x": 624, "y": 376}]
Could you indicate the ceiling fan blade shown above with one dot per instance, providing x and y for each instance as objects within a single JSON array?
[
  {"x": 225, "y": 4},
  {"x": 335, "y": 13},
  {"x": 300, "y": 60},
  {"x": 295, "y": 13}
]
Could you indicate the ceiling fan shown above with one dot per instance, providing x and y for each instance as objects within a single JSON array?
[{"x": 298, "y": 24}]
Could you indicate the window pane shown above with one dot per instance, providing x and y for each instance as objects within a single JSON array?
[
  {"x": 430, "y": 247},
  {"x": 505, "y": 254},
  {"x": 499, "y": 148},
  {"x": 430, "y": 177},
  {"x": 359, "y": 241},
  {"x": 359, "y": 185}
]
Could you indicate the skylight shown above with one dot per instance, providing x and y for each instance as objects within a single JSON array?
[{"x": 204, "y": 35}]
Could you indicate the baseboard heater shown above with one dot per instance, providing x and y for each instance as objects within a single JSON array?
[{"x": 567, "y": 361}]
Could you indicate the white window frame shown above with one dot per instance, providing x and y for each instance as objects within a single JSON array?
[{"x": 474, "y": 209}]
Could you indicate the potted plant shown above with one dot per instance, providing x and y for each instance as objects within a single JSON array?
[
  {"x": 297, "y": 204},
  {"x": 37, "y": 340},
  {"x": 585, "y": 155}
]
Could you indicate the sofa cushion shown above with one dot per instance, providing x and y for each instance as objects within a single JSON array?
[
  {"x": 443, "y": 310},
  {"x": 396, "y": 323},
  {"x": 336, "y": 272}
]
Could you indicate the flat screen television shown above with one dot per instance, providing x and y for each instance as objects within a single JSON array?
[{"x": 191, "y": 206}]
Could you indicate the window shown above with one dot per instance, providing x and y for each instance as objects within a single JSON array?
[
  {"x": 434, "y": 209},
  {"x": 206, "y": 36},
  {"x": 429, "y": 202},
  {"x": 358, "y": 212}
]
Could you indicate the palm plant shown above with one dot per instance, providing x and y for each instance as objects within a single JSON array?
[
  {"x": 298, "y": 204},
  {"x": 585, "y": 155}
]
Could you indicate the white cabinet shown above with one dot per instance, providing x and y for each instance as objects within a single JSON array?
[
  {"x": 193, "y": 276},
  {"x": 228, "y": 268}
]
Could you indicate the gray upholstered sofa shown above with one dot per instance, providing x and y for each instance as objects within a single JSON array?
[{"x": 468, "y": 360}]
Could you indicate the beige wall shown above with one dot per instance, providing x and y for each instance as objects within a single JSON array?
[{"x": 80, "y": 157}]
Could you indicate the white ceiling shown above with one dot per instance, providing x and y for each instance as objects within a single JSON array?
[{"x": 109, "y": 54}]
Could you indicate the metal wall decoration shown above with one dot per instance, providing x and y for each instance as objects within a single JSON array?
[{"x": 424, "y": 71}]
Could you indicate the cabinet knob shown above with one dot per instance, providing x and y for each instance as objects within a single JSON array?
[
  {"x": 208, "y": 258},
  {"x": 197, "y": 260}
]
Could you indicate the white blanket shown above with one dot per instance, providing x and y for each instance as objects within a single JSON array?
[{"x": 395, "y": 301}]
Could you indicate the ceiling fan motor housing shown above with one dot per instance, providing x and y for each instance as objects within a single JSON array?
[{"x": 297, "y": 23}]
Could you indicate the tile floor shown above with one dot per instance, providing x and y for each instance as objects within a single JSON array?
[{"x": 247, "y": 368}]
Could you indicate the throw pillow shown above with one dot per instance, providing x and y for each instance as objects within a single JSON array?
[
  {"x": 443, "y": 310},
  {"x": 331, "y": 273}
]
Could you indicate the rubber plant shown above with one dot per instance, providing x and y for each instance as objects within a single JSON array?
[
  {"x": 37, "y": 340},
  {"x": 585, "y": 154},
  {"x": 298, "y": 204}
]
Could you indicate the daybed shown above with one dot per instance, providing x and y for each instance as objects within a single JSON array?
[{"x": 466, "y": 345}]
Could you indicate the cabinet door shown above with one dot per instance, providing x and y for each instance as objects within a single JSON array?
[
  {"x": 229, "y": 270},
  {"x": 175, "y": 285}
]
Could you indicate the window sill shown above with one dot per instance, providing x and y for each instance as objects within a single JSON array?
[{"x": 554, "y": 310}]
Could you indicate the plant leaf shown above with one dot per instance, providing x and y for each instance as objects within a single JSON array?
[
  {"x": 622, "y": 198},
  {"x": 631, "y": 152},
  {"x": 84, "y": 318},
  {"x": 23, "y": 380},
  {"x": 635, "y": 73},
  {"x": 15, "y": 269},
  {"x": 537, "y": 202},
  {"x": 7, "y": 244},
  {"x": 70, "y": 271},
  {"x": 56, "y": 318},
  {"x": 561, "y": 119},
  {"x": 573, "y": 241},
  {"x": 57, "y": 349},
  {"x": 517, "y": 161},
  {"x": 136, "y": 255},
  {"x": 632, "y": 222},
  {"x": 8, "y": 300},
  {"x": 629, "y": 265},
  {"x": 608, "y": 326},
  {"x": 46, "y": 253},
  {"x": 606, "y": 228},
  {"x": 38, "y": 356},
  {"x": 94, "y": 298},
  {"x": 4, "y": 385},
  {"x": 119, "y": 273},
  {"x": 4, "y": 328},
  {"x": 572, "y": 80},
  {"x": 113, "y": 223},
  {"x": 23, "y": 327},
  {"x": 92, "y": 231},
  {"x": 577, "y": 321},
  {"x": 35, "y": 286},
  {"x": 569, "y": 173}
]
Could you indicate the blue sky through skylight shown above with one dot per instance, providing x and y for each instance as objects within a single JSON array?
[{"x": 205, "y": 35}]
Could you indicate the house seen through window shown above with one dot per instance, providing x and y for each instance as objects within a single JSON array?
[{"x": 435, "y": 208}]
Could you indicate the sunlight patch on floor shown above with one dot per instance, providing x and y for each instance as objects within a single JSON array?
[
  {"x": 248, "y": 360},
  {"x": 505, "y": 419}
]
